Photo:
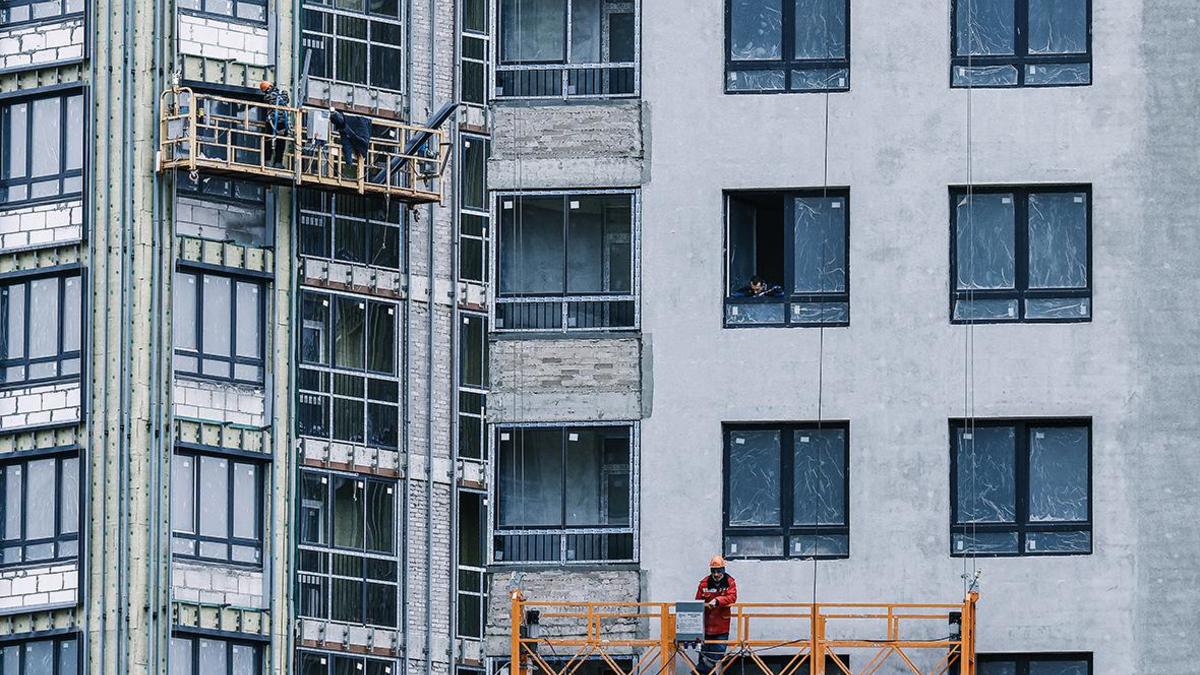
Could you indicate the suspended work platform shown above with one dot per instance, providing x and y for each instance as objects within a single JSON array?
[
  {"x": 230, "y": 136},
  {"x": 562, "y": 638}
]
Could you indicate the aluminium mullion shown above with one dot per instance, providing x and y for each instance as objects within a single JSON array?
[{"x": 1020, "y": 247}]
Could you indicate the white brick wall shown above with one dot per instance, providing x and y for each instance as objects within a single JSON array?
[
  {"x": 27, "y": 589},
  {"x": 220, "y": 402},
  {"x": 41, "y": 225},
  {"x": 219, "y": 222},
  {"x": 33, "y": 45},
  {"x": 216, "y": 584},
  {"x": 39, "y": 405},
  {"x": 224, "y": 40}
]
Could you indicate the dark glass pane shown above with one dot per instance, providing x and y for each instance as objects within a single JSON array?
[
  {"x": 754, "y": 478},
  {"x": 380, "y": 517},
  {"x": 471, "y": 529},
  {"x": 313, "y": 495},
  {"x": 599, "y": 240},
  {"x": 381, "y": 350},
  {"x": 819, "y": 245},
  {"x": 1058, "y": 474},
  {"x": 532, "y": 31},
  {"x": 756, "y": 30},
  {"x": 597, "y": 461},
  {"x": 1058, "y": 244},
  {"x": 314, "y": 313},
  {"x": 532, "y": 247},
  {"x": 348, "y": 342},
  {"x": 986, "y": 476},
  {"x": 530, "y": 485},
  {"x": 820, "y": 29},
  {"x": 1057, "y": 26},
  {"x": 819, "y": 491},
  {"x": 986, "y": 245},
  {"x": 474, "y": 173},
  {"x": 347, "y": 512},
  {"x": 985, "y": 27}
]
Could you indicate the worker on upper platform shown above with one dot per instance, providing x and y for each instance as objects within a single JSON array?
[
  {"x": 718, "y": 590},
  {"x": 278, "y": 123}
]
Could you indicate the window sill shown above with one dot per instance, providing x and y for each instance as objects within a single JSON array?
[
  {"x": 29, "y": 23},
  {"x": 44, "y": 382},
  {"x": 214, "y": 562}
]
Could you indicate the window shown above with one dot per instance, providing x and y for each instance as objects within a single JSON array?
[
  {"x": 474, "y": 218},
  {"x": 41, "y": 508},
  {"x": 788, "y": 258},
  {"x": 351, "y": 228},
  {"x": 1035, "y": 664},
  {"x": 40, "y": 328},
  {"x": 347, "y": 560},
  {"x": 787, "y": 490},
  {"x": 787, "y": 46},
  {"x": 346, "y": 342},
  {"x": 473, "y": 384},
  {"x": 1020, "y": 487},
  {"x": 542, "y": 516},
  {"x": 219, "y": 326},
  {"x": 568, "y": 48},
  {"x": 1021, "y": 254},
  {"x": 41, "y": 148},
  {"x": 355, "y": 42},
  {"x": 254, "y": 11},
  {"x": 210, "y": 656},
  {"x": 216, "y": 507},
  {"x": 474, "y": 51},
  {"x": 778, "y": 664},
  {"x": 20, "y": 11},
  {"x": 47, "y": 656},
  {"x": 472, "y": 547},
  {"x": 566, "y": 262},
  {"x": 323, "y": 663},
  {"x": 221, "y": 209},
  {"x": 1012, "y": 43}
]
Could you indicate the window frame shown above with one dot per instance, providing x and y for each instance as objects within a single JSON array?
[
  {"x": 565, "y": 299},
  {"x": 262, "y": 464},
  {"x": 235, "y": 277},
  {"x": 63, "y": 94},
  {"x": 480, "y": 212},
  {"x": 1020, "y": 292},
  {"x": 397, "y": 23},
  {"x": 326, "y": 218},
  {"x": 235, "y": 17},
  {"x": 785, "y": 531},
  {"x": 1024, "y": 659},
  {"x": 229, "y": 639},
  {"x": 23, "y": 458},
  {"x": 477, "y": 572},
  {"x": 327, "y": 667},
  {"x": 787, "y": 46},
  {"x": 472, "y": 392},
  {"x": 58, "y": 638},
  {"x": 64, "y": 15},
  {"x": 61, "y": 273},
  {"x": 1021, "y": 56},
  {"x": 562, "y": 532},
  {"x": 789, "y": 297},
  {"x": 1021, "y": 524}
]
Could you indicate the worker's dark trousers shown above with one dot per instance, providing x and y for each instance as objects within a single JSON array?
[
  {"x": 711, "y": 653},
  {"x": 276, "y": 147}
]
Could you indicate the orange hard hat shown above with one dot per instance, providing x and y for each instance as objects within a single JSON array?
[
  {"x": 264, "y": 85},
  {"x": 716, "y": 561}
]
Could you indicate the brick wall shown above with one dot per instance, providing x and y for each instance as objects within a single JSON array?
[
  {"x": 36, "y": 588},
  {"x": 220, "y": 402},
  {"x": 39, "y": 44},
  {"x": 219, "y": 222},
  {"x": 224, "y": 40},
  {"x": 214, "y": 584},
  {"x": 38, "y": 405},
  {"x": 42, "y": 224},
  {"x": 565, "y": 380}
]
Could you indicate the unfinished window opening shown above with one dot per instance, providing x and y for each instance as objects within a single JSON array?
[
  {"x": 326, "y": 663},
  {"x": 221, "y": 209},
  {"x": 788, "y": 258},
  {"x": 1036, "y": 664},
  {"x": 472, "y": 553},
  {"x": 1020, "y": 488},
  {"x": 250, "y": 11},
  {"x": 355, "y": 42},
  {"x": 46, "y": 656},
  {"x": 365, "y": 230},
  {"x": 216, "y": 507},
  {"x": 568, "y": 48},
  {"x": 778, "y": 46},
  {"x": 474, "y": 219},
  {"x": 564, "y": 494},
  {"x": 40, "y": 498},
  {"x": 212, "y": 656},
  {"x": 348, "y": 388},
  {"x": 41, "y": 148},
  {"x": 566, "y": 262},
  {"x": 218, "y": 326},
  {"x": 787, "y": 490},
  {"x": 1021, "y": 43},
  {"x": 41, "y": 322},
  {"x": 347, "y": 562},
  {"x": 1021, "y": 254},
  {"x": 473, "y": 385}
]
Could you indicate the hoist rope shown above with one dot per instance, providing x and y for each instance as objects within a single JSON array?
[
  {"x": 968, "y": 427},
  {"x": 821, "y": 327}
]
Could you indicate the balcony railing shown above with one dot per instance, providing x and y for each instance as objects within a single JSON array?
[
  {"x": 566, "y": 313},
  {"x": 558, "y": 81},
  {"x": 202, "y": 132}
]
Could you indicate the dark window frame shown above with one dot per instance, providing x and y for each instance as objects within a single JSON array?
[
  {"x": 233, "y": 360},
  {"x": 475, "y": 573},
  {"x": 789, "y": 263},
  {"x": 1020, "y": 292},
  {"x": 64, "y": 174},
  {"x": 319, "y": 215},
  {"x": 1021, "y": 524},
  {"x": 58, "y": 455},
  {"x": 477, "y": 236},
  {"x": 787, "y": 46},
  {"x": 230, "y": 540},
  {"x": 1021, "y": 56},
  {"x": 785, "y": 530},
  {"x": 328, "y": 668},
  {"x": 66, "y": 12},
  {"x": 230, "y": 642},
  {"x": 338, "y": 20},
  {"x": 201, "y": 9},
  {"x": 57, "y": 640},
  {"x": 472, "y": 396},
  {"x": 1024, "y": 659},
  {"x": 25, "y": 361}
]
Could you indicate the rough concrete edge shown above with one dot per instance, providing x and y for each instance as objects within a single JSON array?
[{"x": 647, "y": 374}]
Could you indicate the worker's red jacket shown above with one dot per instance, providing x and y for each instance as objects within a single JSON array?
[{"x": 716, "y": 619}]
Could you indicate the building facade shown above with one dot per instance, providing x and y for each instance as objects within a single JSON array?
[{"x": 557, "y": 295}]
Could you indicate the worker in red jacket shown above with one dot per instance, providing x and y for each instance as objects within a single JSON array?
[{"x": 718, "y": 590}]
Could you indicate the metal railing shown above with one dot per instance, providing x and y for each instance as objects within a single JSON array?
[
  {"x": 205, "y": 132},
  {"x": 566, "y": 313},
  {"x": 559, "y": 81},
  {"x": 556, "y": 638}
]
